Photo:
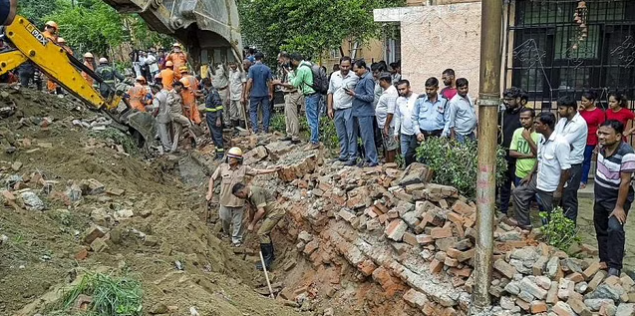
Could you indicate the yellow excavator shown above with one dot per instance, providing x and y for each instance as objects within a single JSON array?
[{"x": 208, "y": 28}]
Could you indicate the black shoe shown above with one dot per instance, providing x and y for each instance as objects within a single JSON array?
[
  {"x": 286, "y": 139},
  {"x": 241, "y": 123},
  {"x": 350, "y": 163},
  {"x": 615, "y": 272},
  {"x": 234, "y": 123},
  {"x": 342, "y": 159},
  {"x": 267, "y": 255}
]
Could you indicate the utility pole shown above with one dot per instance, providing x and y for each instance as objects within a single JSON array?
[{"x": 489, "y": 101}]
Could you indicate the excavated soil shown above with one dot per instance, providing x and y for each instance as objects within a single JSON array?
[{"x": 44, "y": 250}]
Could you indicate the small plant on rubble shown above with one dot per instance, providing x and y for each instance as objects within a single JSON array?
[
  {"x": 278, "y": 123},
  {"x": 559, "y": 231},
  {"x": 456, "y": 164},
  {"x": 111, "y": 296}
]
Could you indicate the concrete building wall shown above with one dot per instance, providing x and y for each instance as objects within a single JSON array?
[
  {"x": 373, "y": 50},
  {"x": 437, "y": 37}
]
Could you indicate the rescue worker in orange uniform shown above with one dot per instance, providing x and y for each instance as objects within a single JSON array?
[
  {"x": 62, "y": 42},
  {"x": 89, "y": 61},
  {"x": 178, "y": 59},
  {"x": 167, "y": 76},
  {"x": 138, "y": 95},
  {"x": 189, "y": 95},
  {"x": 50, "y": 32}
]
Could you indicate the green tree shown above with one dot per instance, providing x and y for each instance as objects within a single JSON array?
[
  {"x": 310, "y": 27},
  {"x": 89, "y": 25},
  {"x": 36, "y": 10}
]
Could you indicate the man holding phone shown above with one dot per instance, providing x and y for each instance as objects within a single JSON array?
[{"x": 340, "y": 108}]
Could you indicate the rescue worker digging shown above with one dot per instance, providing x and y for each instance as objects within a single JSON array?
[
  {"x": 267, "y": 209},
  {"x": 189, "y": 95},
  {"x": 231, "y": 209}
]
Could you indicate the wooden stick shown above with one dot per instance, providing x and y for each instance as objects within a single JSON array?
[{"x": 264, "y": 268}]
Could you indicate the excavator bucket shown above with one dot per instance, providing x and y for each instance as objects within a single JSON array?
[{"x": 209, "y": 29}]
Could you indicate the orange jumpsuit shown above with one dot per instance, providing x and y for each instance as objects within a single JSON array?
[
  {"x": 178, "y": 60},
  {"x": 137, "y": 97},
  {"x": 167, "y": 78},
  {"x": 190, "y": 108},
  {"x": 88, "y": 78}
]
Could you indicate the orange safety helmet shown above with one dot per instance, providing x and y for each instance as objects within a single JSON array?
[
  {"x": 52, "y": 24},
  {"x": 169, "y": 63},
  {"x": 185, "y": 82},
  {"x": 183, "y": 69}
]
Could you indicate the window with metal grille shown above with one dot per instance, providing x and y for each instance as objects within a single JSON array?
[{"x": 548, "y": 56}]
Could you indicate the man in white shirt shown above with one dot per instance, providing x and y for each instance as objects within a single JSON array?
[
  {"x": 340, "y": 108},
  {"x": 384, "y": 114},
  {"x": 237, "y": 82},
  {"x": 404, "y": 128},
  {"x": 462, "y": 114},
  {"x": 573, "y": 128},
  {"x": 546, "y": 181}
]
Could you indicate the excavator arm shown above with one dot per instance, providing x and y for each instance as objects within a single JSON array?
[
  {"x": 53, "y": 60},
  {"x": 64, "y": 69}
]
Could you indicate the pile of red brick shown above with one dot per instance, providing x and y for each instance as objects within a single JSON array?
[{"x": 416, "y": 240}]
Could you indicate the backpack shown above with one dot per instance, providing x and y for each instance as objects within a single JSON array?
[{"x": 320, "y": 79}]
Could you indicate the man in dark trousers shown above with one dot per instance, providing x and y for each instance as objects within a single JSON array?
[
  {"x": 508, "y": 123},
  {"x": 613, "y": 194},
  {"x": 214, "y": 116}
]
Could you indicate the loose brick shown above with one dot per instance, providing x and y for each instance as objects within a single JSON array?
[
  {"x": 92, "y": 233},
  {"x": 537, "y": 307},
  {"x": 539, "y": 266},
  {"x": 563, "y": 309},
  {"x": 410, "y": 239},
  {"x": 451, "y": 262},
  {"x": 424, "y": 239},
  {"x": 367, "y": 267},
  {"x": 565, "y": 288},
  {"x": 396, "y": 229},
  {"x": 579, "y": 307},
  {"x": 575, "y": 277},
  {"x": 463, "y": 208},
  {"x": 597, "y": 279},
  {"x": 439, "y": 232},
  {"x": 415, "y": 299},
  {"x": 436, "y": 266},
  {"x": 524, "y": 305},
  {"x": 463, "y": 272},
  {"x": 505, "y": 268},
  {"x": 552, "y": 294}
]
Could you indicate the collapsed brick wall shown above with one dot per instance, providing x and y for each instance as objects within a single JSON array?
[{"x": 416, "y": 240}]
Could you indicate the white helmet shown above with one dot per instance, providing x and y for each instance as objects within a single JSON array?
[
  {"x": 103, "y": 60},
  {"x": 88, "y": 55}
]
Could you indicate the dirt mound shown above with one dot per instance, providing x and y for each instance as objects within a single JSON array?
[{"x": 153, "y": 221}]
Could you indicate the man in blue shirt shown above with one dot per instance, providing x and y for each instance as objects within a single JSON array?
[
  {"x": 364, "y": 111},
  {"x": 259, "y": 92},
  {"x": 430, "y": 115}
]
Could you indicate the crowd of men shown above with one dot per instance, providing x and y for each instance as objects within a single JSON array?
[{"x": 548, "y": 159}]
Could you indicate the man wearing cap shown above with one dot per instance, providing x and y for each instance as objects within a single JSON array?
[
  {"x": 89, "y": 61},
  {"x": 267, "y": 209},
  {"x": 232, "y": 208},
  {"x": 178, "y": 59},
  {"x": 167, "y": 75},
  {"x": 138, "y": 95},
  {"x": 108, "y": 75}
]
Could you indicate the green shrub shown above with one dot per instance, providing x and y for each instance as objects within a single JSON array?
[
  {"x": 559, "y": 231},
  {"x": 111, "y": 296},
  {"x": 456, "y": 164},
  {"x": 278, "y": 123},
  {"x": 328, "y": 134}
]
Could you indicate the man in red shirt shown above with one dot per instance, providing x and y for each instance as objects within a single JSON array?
[
  {"x": 594, "y": 117},
  {"x": 449, "y": 80}
]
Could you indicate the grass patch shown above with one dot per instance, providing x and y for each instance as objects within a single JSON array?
[
  {"x": 118, "y": 137},
  {"x": 111, "y": 296}
]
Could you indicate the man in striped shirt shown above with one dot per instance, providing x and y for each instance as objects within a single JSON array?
[{"x": 613, "y": 194}]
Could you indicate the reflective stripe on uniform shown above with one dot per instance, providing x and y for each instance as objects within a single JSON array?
[{"x": 216, "y": 109}]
